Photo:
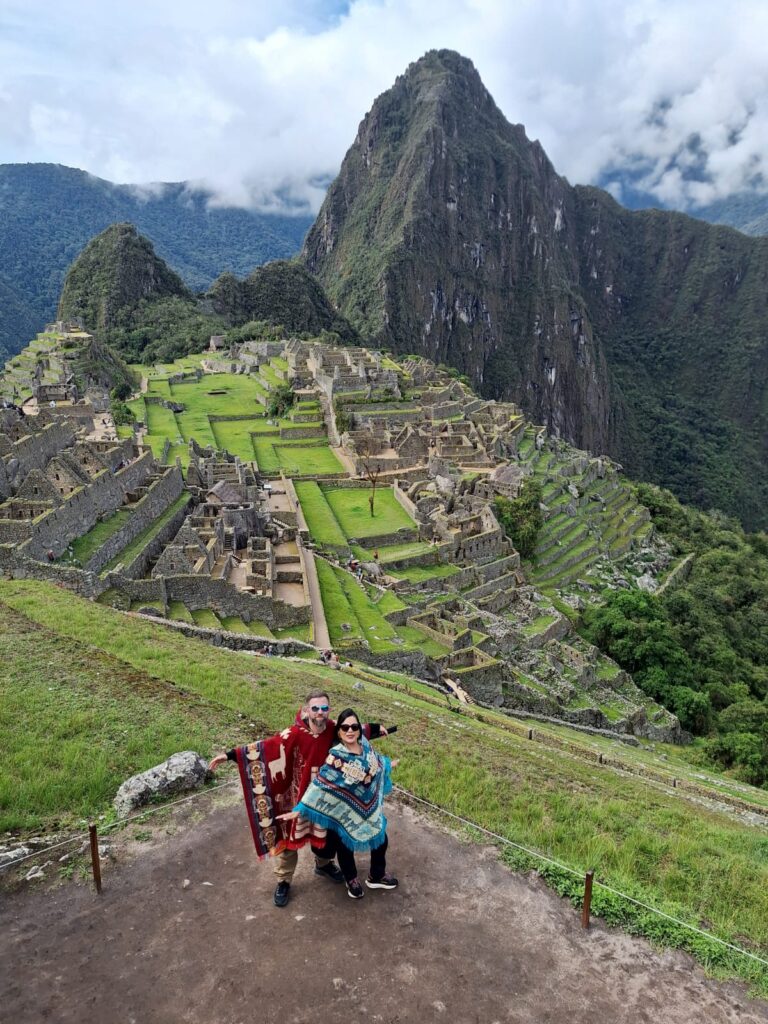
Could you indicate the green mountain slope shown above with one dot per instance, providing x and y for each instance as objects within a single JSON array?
[
  {"x": 281, "y": 292},
  {"x": 117, "y": 269},
  {"x": 643, "y": 334},
  {"x": 16, "y": 320},
  {"x": 122, "y": 290},
  {"x": 48, "y": 213}
]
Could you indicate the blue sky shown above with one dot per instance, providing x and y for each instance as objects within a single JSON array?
[{"x": 247, "y": 97}]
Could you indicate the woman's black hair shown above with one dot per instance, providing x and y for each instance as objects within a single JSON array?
[{"x": 344, "y": 715}]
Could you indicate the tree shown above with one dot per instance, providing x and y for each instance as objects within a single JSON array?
[
  {"x": 521, "y": 517},
  {"x": 343, "y": 421},
  {"x": 121, "y": 391},
  {"x": 280, "y": 401},
  {"x": 122, "y": 414},
  {"x": 371, "y": 469}
]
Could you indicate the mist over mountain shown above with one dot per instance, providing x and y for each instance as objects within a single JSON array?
[
  {"x": 49, "y": 212},
  {"x": 745, "y": 211},
  {"x": 643, "y": 334}
]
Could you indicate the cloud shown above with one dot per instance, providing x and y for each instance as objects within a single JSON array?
[{"x": 260, "y": 103}]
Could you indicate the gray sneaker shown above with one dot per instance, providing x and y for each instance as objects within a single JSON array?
[{"x": 385, "y": 882}]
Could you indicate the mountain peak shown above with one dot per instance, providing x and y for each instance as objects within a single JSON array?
[{"x": 116, "y": 269}]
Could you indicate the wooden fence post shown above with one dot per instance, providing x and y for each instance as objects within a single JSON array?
[
  {"x": 95, "y": 862},
  {"x": 587, "y": 899}
]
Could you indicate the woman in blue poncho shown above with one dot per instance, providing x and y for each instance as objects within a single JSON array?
[{"x": 346, "y": 798}]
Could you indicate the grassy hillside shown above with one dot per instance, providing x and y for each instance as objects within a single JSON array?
[{"x": 117, "y": 695}]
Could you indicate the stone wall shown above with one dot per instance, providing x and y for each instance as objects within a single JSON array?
[
  {"x": 115, "y": 452},
  {"x": 135, "y": 473},
  {"x": 80, "y": 511},
  {"x": 481, "y": 546},
  {"x": 15, "y": 531},
  {"x": 138, "y": 590},
  {"x": 383, "y": 540},
  {"x": 388, "y": 419},
  {"x": 412, "y": 663},
  {"x": 139, "y": 565},
  {"x": 404, "y": 501},
  {"x": 500, "y": 567},
  {"x": 443, "y": 411},
  {"x": 301, "y": 433},
  {"x": 203, "y": 592},
  {"x": 85, "y": 584},
  {"x": 35, "y": 451},
  {"x": 160, "y": 495},
  {"x": 233, "y": 641},
  {"x": 75, "y": 516}
]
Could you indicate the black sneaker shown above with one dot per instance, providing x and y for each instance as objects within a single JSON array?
[
  {"x": 355, "y": 890},
  {"x": 329, "y": 871},
  {"x": 282, "y": 893},
  {"x": 385, "y": 882}
]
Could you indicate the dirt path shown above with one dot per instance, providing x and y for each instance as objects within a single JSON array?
[
  {"x": 462, "y": 940},
  {"x": 321, "y": 636}
]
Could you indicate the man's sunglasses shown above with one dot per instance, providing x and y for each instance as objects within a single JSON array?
[
  {"x": 319, "y": 707},
  {"x": 349, "y": 728}
]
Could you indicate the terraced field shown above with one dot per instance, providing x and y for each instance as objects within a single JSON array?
[
  {"x": 227, "y": 411},
  {"x": 352, "y": 511},
  {"x": 604, "y": 521}
]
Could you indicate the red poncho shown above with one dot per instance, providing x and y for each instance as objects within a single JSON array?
[{"x": 275, "y": 774}]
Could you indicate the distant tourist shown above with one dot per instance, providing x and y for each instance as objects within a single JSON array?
[
  {"x": 346, "y": 799},
  {"x": 275, "y": 774}
]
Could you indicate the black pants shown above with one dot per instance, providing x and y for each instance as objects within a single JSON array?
[{"x": 347, "y": 864}]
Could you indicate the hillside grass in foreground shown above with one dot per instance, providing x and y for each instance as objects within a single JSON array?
[{"x": 697, "y": 864}]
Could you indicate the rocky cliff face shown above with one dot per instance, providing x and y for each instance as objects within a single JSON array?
[
  {"x": 449, "y": 233},
  {"x": 114, "y": 272}
]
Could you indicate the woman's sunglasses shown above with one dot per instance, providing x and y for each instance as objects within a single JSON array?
[{"x": 349, "y": 728}]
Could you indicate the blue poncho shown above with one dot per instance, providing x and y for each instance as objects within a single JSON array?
[{"x": 347, "y": 794}]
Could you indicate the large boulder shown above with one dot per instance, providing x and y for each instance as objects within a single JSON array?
[{"x": 180, "y": 773}]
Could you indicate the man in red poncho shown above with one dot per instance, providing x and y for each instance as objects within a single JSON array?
[{"x": 275, "y": 773}]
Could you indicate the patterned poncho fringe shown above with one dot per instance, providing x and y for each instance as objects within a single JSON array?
[{"x": 347, "y": 794}]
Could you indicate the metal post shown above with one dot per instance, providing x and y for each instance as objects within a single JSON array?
[
  {"x": 95, "y": 862},
  {"x": 587, "y": 899}
]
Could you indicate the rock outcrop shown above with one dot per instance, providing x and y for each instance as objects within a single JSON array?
[{"x": 180, "y": 773}]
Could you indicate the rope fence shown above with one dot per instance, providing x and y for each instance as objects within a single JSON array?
[
  {"x": 573, "y": 871},
  {"x": 409, "y": 797}
]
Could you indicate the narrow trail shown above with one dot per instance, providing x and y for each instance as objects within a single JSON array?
[{"x": 462, "y": 940}]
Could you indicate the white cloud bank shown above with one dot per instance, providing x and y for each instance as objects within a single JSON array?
[{"x": 248, "y": 100}]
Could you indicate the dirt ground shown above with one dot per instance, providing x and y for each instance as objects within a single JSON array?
[{"x": 462, "y": 940}]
